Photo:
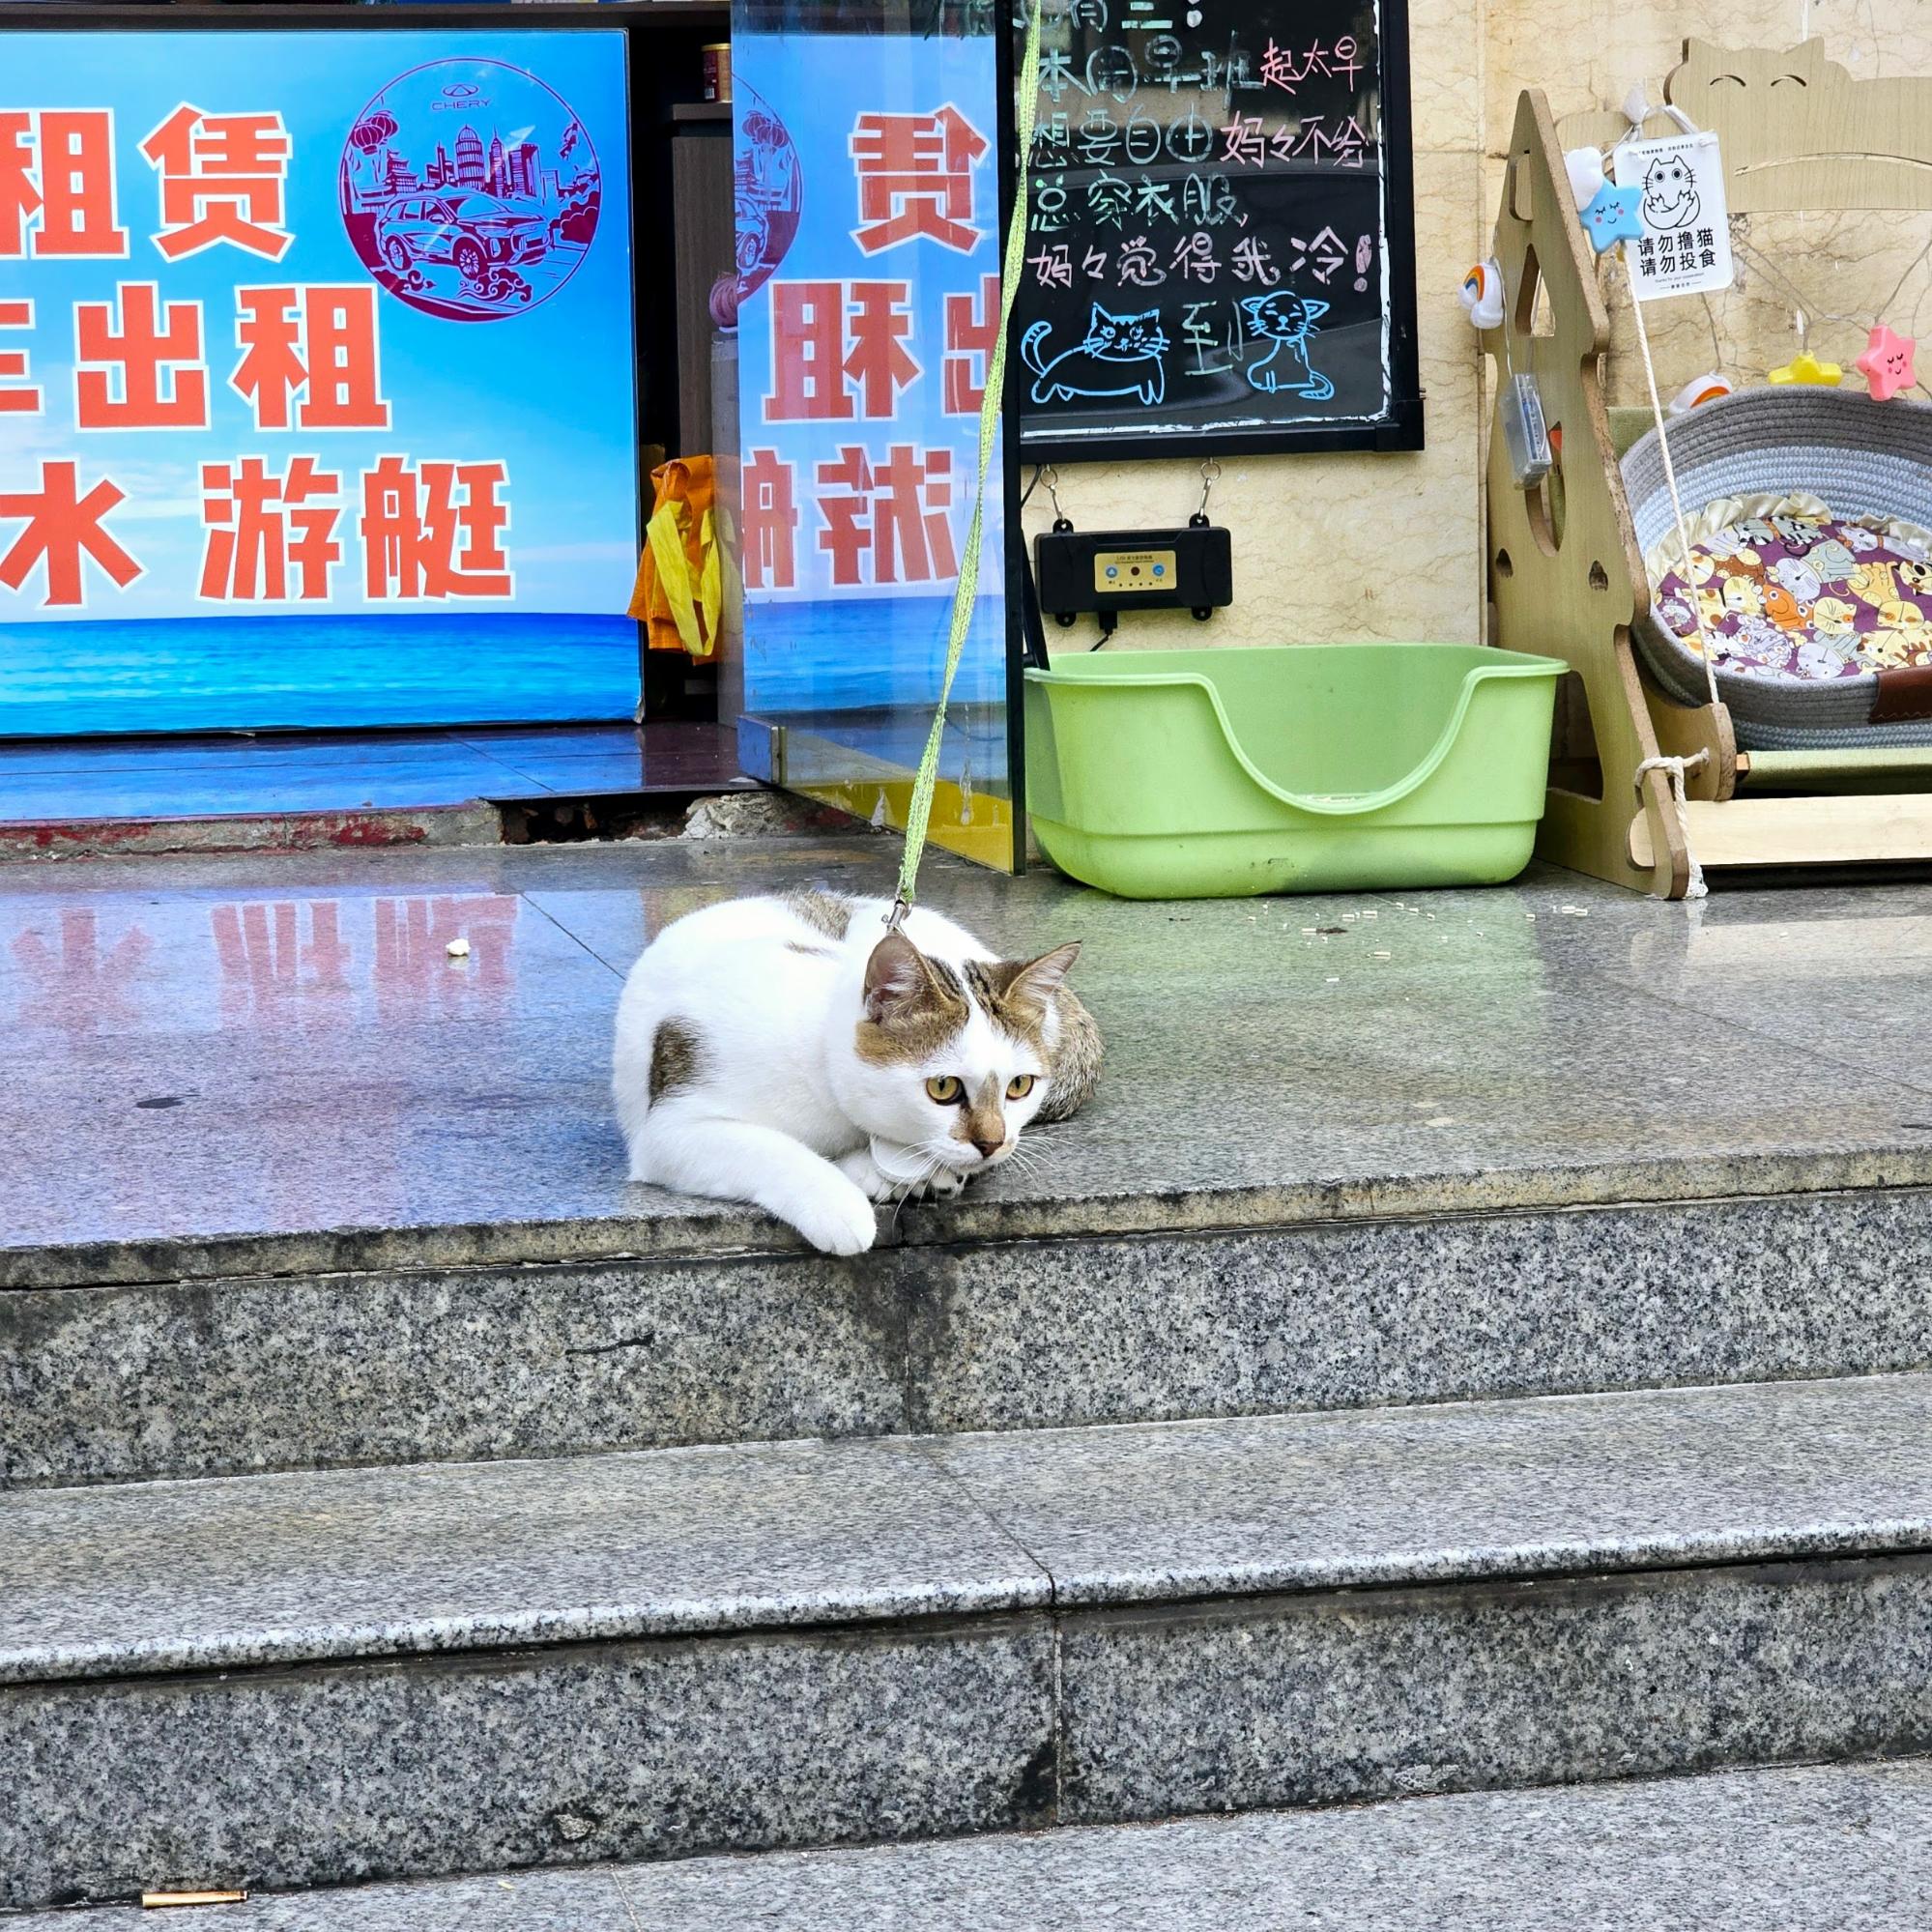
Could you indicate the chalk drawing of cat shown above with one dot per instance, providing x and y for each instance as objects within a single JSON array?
[
  {"x": 1119, "y": 355},
  {"x": 1286, "y": 321}
]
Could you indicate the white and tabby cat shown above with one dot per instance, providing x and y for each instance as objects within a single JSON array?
[{"x": 791, "y": 1053}]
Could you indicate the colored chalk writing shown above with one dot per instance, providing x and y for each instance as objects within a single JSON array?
[{"x": 1219, "y": 236}]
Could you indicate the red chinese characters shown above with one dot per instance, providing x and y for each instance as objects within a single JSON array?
[
  {"x": 313, "y": 338},
  {"x": 222, "y": 180},
  {"x": 877, "y": 362},
  {"x": 269, "y": 532},
  {"x": 57, "y": 185},
  {"x": 433, "y": 530},
  {"x": 137, "y": 363},
  {"x": 140, "y": 364},
  {"x": 275, "y": 535},
  {"x": 893, "y": 517},
  {"x": 972, "y": 327},
  {"x": 915, "y": 178},
  {"x": 852, "y": 352},
  {"x": 770, "y": 522},
  {"x": 911, "y": 522},
  {"x": 845, "y": 503},
  {"x": 64, "y": 526},
  {"x": 808, "y": 333},
  {"x": 838, "y": 350},
  {"x": 17, "y": 395},
  {"x": 274, "y": 529}
]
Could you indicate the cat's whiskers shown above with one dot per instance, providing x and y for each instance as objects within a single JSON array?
[
  {"x": 936, "y": 1153},
  {"x": 930, "y": 1165},
  {"x": 1024, "y": 1161}
]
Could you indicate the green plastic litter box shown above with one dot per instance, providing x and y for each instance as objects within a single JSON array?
[{"x": 1213, "y": 775}]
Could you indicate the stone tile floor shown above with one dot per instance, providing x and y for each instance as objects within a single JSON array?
[{"x": 269, "y": 1060}]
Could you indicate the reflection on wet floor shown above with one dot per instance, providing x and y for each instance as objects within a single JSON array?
[
  {"x": 311, "y": 962},
  {"x": 314, "y": 957},
  {"x": 74, "y": 982},
  {"x": 282, "y": 1045}
]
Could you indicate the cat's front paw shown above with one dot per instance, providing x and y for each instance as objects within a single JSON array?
[
  {"x": 838, "y": 1222},
  {"x": 941, "y": 1185}
]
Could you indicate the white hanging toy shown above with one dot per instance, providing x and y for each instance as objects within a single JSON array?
[
  {"x": 1585, "y": 168},
  {"x": 1482, "y": 295},
  {"x": 1699, "y": 390},
  {"x": 1523, "y": 430}
]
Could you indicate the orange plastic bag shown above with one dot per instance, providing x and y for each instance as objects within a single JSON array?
[{"x": 678, "y": 587}]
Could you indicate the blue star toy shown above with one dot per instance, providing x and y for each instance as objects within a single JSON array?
[{"x": 1612, "y": 217}]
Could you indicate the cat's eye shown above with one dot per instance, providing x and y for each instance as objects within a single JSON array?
[
  {"x": 946, "y": 1089},
  {"x": 1020, "y": 1087}
]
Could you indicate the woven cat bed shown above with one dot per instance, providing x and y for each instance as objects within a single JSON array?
[{"x": 1865, "y": 460}]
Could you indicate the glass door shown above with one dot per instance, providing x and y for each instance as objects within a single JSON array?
[{"x": 869, "y": 172}]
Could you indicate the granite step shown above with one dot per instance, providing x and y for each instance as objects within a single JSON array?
[
  {"x": 281, "y": 1188},
  {"x": 756, "y": 1340},
  {"x": 313, "y": 1678},
  {"x": 1815, "y": 1848}
]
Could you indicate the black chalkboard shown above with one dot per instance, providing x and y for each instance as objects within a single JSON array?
[{"x": 1220, "y": 249}]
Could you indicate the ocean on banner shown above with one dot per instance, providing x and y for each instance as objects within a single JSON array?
[
  {"x": 870, "y": 653},
  {"x": 321, "y": 671}
]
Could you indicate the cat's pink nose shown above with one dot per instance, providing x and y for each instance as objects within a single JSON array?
[{"x": 988, "y": 1149}]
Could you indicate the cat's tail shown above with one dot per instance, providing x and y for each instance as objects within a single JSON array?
[{"x": 1029, "y": 347}]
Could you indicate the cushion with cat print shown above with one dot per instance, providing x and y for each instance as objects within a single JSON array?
[{"x": 1802, "y": 599}]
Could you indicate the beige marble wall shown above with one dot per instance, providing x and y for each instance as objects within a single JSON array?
[
  {"x": 1586, "y": 53},
  {"x": 1390, "y": 546}
]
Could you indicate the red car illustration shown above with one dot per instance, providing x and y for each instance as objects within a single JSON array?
[{"x": 472, "y": 231}]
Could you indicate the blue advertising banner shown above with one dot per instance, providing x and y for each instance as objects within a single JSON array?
[
  {"x": 868, "y": 300},
  {"x": 316, "y": 380}
]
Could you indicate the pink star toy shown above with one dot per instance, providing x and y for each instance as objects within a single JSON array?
[{"x": 1887, "y": 364}]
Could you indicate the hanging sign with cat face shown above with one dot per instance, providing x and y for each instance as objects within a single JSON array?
[
  {"x": 1684, "y": 243},
  {"x": 1219, "y": 247}
]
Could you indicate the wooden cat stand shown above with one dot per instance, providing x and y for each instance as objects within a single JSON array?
[{"x": 1565, "y": 574}]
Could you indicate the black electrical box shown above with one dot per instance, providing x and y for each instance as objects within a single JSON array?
[{"x": 1108, "y": 571}]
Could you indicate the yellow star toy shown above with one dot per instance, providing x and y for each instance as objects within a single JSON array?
[{"x": 1805, "y": 367}]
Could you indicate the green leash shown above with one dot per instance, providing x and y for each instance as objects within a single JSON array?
[{"x": 966, "y": 588}]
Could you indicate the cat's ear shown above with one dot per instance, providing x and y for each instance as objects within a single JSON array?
[
  {"x": 1100, "y": 320},
  {"x": 898, "y": 978},
  {"x": 1034, "y": 982},
  {"x": 1314, "y": 309}
]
